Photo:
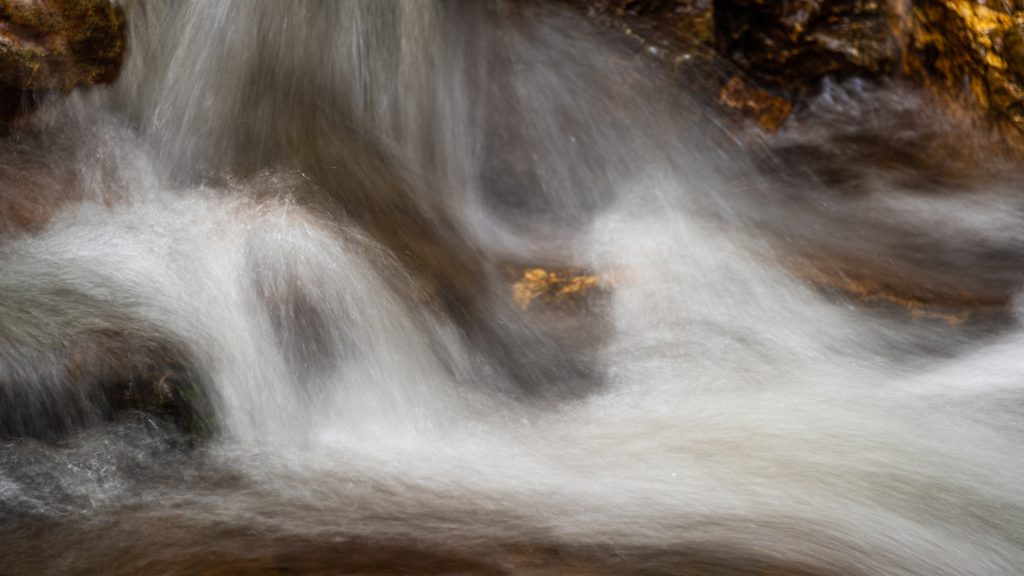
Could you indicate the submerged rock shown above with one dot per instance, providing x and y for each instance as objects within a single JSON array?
[
  {"x": 173, "y": 395},
  {"x": 872, "y": 286},
  {"x": 99, "y": 376},
  {"x": 565, "y": 289}
]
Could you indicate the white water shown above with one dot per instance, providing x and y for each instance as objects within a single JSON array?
[{"x": 724, "y": 405}]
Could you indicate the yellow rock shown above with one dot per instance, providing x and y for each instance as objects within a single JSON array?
[
  {"x": 971, "y": 52},
  {"x": 566, "y": 289}
]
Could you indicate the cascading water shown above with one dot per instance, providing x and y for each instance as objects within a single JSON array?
[{"x": 306, "y": 210}]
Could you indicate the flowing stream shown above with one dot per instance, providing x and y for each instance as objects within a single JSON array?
[{"x": 310, "y": 215}]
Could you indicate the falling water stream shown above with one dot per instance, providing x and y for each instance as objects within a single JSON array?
[{"x": 305, "y": 214}]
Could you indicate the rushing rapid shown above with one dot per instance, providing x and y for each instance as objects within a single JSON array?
[{"x": 300, "y": 218}]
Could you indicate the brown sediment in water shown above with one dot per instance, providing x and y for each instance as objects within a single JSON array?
[
  {"x": 172, "y": 544},
  {"x": 865, "y": 285}
]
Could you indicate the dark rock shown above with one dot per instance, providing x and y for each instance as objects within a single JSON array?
[
  {"x": 101, "y": 376},
  {"x": 795, "y": 44},
  {"x": 50, "y": 45},
  {"x": 59, "y": 44},
  {"x": 781, "y": 49},
  {"x": 172, "y": 394},
  {"x": 682, "y": 21}
]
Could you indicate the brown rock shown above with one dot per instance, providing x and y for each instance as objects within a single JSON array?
[
  {"x": 769, "y": 110},
  {"x": 59, "y": 44},
  {"x": 55, "y": 45}
]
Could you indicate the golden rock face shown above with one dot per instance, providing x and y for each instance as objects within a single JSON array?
[{"x": 972, "y": 51}]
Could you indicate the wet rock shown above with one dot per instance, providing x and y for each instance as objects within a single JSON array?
[
  {"x": 56, "y": 45},
  {"x": 657, "y": 21},
  {"x": 795, "y": 44},
  {"x": 681, "y": 35},
  {"x": 971, "y": 51},
  {"x": 99, "y": 376},
  {"x": 781, "y": 49},
  {"x": 118, "y": 372},
  {"x": 171, "y": 394},
  {"x": 567, "y": 289},
  {"x": 59, "y": 44},
  {"x": 676, "y": 32},
  {"x": 782, "y": 44},
  {"x": 769, "y": 110}
]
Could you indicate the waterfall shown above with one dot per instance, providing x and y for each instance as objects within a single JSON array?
[{"x": 309, "y": 210}]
